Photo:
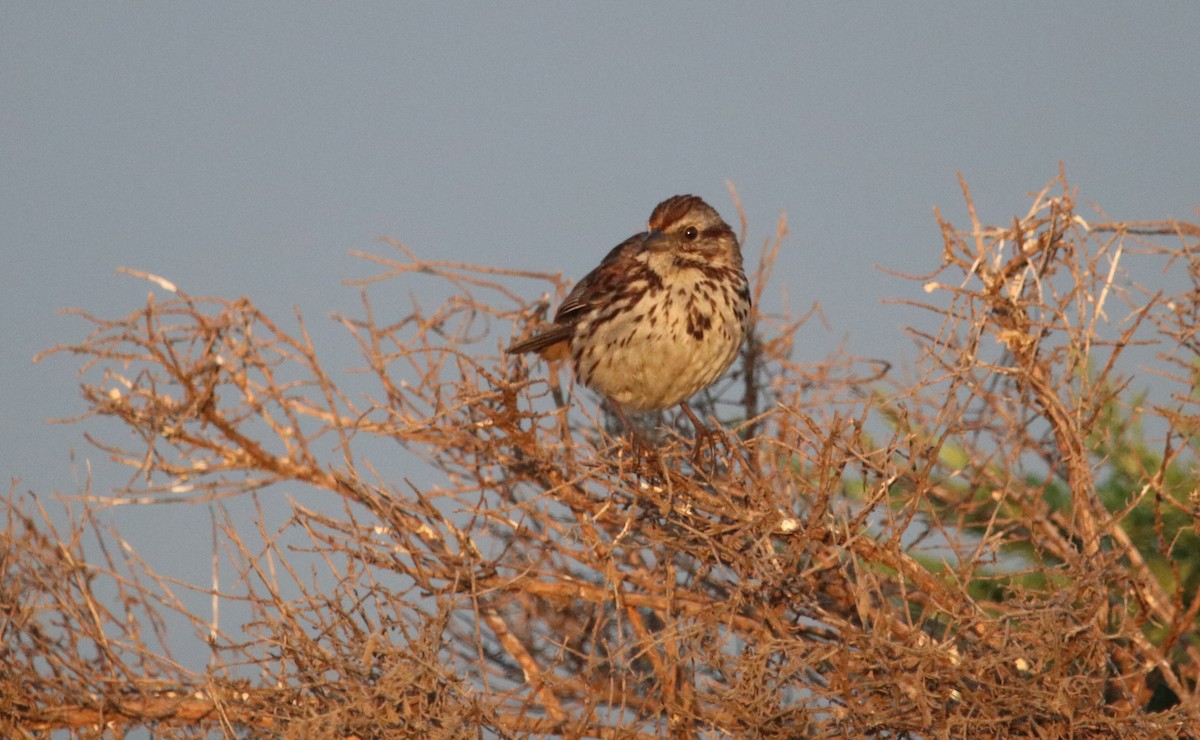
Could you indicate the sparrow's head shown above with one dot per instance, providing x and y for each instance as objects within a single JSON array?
[{"x": 690, "y": 228}]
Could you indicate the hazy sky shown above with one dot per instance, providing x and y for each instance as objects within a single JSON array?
[{"x": 244, "y": 148}]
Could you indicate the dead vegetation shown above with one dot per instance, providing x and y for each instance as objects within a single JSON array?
[{"x": 998, "y": 540}]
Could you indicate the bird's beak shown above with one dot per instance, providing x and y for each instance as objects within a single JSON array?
[{"x": 656, "y": 241}]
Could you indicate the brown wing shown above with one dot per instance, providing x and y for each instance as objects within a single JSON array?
[{"x": 596, "y": 287}]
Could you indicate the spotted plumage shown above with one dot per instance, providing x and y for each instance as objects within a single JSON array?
[{"x": 662, "y": 317}]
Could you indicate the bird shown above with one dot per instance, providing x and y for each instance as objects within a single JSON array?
[{"x": 662, "y": 317}]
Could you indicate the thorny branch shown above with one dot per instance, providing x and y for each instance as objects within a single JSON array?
[{"x": 978, "y": 549}]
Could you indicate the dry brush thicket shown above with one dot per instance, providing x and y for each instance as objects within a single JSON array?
[{"x": 998, "y": 539}]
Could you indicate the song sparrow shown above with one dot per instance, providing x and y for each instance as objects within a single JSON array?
[{"x": 661, "y": 318}]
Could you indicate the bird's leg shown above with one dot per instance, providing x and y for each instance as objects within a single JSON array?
[
  {"x": 640, "y": 447},
  {"x": 706, "y": 436}
]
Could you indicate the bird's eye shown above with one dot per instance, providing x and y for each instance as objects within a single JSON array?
[{"x": 690, "y": 233}]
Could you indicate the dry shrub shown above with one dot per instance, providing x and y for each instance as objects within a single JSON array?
[{"x": 1002, "y": 544}]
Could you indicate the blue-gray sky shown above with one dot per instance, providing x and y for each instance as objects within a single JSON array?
[{"x": 244, "y": 148}]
